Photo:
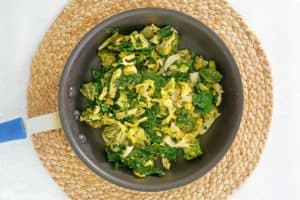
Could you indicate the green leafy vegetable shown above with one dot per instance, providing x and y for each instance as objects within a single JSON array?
[
  {"x": 150, "y": 99},
  {"x": 199, "y": 62},
  {"x": 165, "y": 31},
  {"x": 210, "y": 74},
  {"x": 107, "y": 58},
  {"x": 180, "y": 76},
  {"x": 113, "y": 157},
  {"x": 125, "y": 46},
  {"x": 168, "y": 45},
  {"x": 185, "y": 120},
  {"x": 192, "y": 151},
  {"x": 90, "y": 90},
  {"x": 204, "y": 102},
  {"x": 152, "y": 123},
  {"x": 92, "y": 116},
  {"x": 112, "y": 30},
  {"x": 96, "y": 75},
  {"x": 105, "y": 108},
  {"x": 126, "y": 81},
  {"x": 159, "y": 81},
  {"x": 150, "y": 31}
]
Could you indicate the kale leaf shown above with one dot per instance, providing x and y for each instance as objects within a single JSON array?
[
  {"x": 204, "y": 102},
  {"x": 185, "y": 120},
  {"x": 165, "y": 31},
  {"x": 210, "y": 73},
  {"x": 105, "y": 108},
  {"x": 152, "y": 122},
  {"x": 112, "y": 30},
  {"x": 96, "y": 75},
  {"x": 113, "y": 157}
]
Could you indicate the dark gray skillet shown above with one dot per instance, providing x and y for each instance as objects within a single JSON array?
[{"x": 195, "y": 36}]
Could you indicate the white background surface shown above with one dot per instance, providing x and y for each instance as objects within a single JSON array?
[{"x": 276, "y": 23}]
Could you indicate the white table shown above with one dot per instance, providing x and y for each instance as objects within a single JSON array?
[{"x": 276, "y": 23}]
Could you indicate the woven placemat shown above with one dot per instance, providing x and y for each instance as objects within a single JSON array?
[{"x": 78, "y": 17}]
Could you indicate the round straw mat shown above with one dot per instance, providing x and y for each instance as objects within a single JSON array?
[{"x": 78, "y": 17}]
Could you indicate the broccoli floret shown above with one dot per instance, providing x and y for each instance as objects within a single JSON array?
[
  {"x": 168, "y": 45},
  {"x": 92, "y": 116},
  {"x": 192, "y": 151},
  {"x": 150, "y": 31},
  {"x": 107, "y": 58},
  {"x": 90, "y": 90}
]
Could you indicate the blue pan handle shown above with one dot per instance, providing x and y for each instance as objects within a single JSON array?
[
  {"x": 12, "y": 130},
  {"x": 17, "y": 128}
]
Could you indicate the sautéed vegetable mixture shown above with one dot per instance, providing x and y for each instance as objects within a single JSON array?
[{"x": 151, "y": 98}]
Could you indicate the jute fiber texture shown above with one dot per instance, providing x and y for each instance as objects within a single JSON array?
[{"x": 78, "y": 17}]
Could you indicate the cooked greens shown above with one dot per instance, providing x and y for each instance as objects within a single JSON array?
[{"x": 151, "y": 98}]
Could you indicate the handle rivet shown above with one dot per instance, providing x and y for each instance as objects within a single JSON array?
[
  {"x": 70, "y": 93},
  {"x": 76, "y": 114},
  {"x": 82, "y": 138}
]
